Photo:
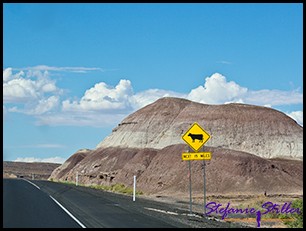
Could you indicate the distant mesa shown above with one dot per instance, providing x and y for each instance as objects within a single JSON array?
[{"x": 35, "y": 170}]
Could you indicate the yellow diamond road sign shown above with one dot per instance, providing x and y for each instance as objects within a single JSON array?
[{"x": 196, "y": 137}]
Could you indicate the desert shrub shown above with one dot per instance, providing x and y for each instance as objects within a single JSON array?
[
  {"x": 118, "y": 188},
  {"x": 298, "y": 218}
]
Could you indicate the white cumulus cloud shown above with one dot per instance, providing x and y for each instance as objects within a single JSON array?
[
  {"x": 56, "y": 159},
  {"x": 31, "y": 89},
  {"x": 8, "y": 74},
  {"x": 19, "y": 88},
  {"x": 144, "y": 98},
  {"x": 42, "y": 106},
  {"x": 104, "y": 105},
  {"x": 217, "y": 90},
  {"x": 103, "y": 97},
  {"x": 273, "y": 97},
  {"x": 297, "y": 116}
]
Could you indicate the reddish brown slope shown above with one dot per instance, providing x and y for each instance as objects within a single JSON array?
[
  {"x": 148, "y": 144},
  {"x": 164, "y": 172}
]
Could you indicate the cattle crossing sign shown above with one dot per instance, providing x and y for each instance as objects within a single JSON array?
[{"x": 196, "y": 137}]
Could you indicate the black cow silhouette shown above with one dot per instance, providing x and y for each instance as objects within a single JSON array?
[{"x": 196, "y": 137}]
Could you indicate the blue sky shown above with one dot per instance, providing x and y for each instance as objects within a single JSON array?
[{"x": 72, "y": 72}]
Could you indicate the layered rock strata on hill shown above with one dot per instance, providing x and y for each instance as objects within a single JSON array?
[
  {"x": 254, "y": 149},
  {"x": 162, "y": 171},
  {"x": 261, "y": 131}
]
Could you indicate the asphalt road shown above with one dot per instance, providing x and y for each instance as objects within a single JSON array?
[
  {"x": 29, "y": 204},
  {"x": 25, "y": 206}
]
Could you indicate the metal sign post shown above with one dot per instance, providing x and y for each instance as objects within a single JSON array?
[
  {"x": 204, "y": 187},
  {"x": 190, "y": 197}
]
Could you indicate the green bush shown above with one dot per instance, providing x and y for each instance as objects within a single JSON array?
[
  {"x": 298, "y": 218},
  {"x": 119, "y": 188},
  {"x": 297, "y": 221}
]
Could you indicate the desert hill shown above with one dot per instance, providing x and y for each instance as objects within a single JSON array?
[
  {"x": 254, "y": 149},
  {"x": 12, "y": 169},
  {"x": 262, "y": 131},
  {"x": 162, "y": 171}
]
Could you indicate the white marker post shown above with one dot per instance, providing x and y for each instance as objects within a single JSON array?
[
  {"x": 76, "y": 179},
  {"x": 134, "y": 188}
]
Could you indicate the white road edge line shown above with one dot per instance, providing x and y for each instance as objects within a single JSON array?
[
  {"x": 161, "y": 211},
  {"x": 32, "y": 183},
  {"x": 73, "y": 217}
]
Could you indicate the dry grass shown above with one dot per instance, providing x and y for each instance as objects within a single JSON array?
[{"x": 239, "y": 201}]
